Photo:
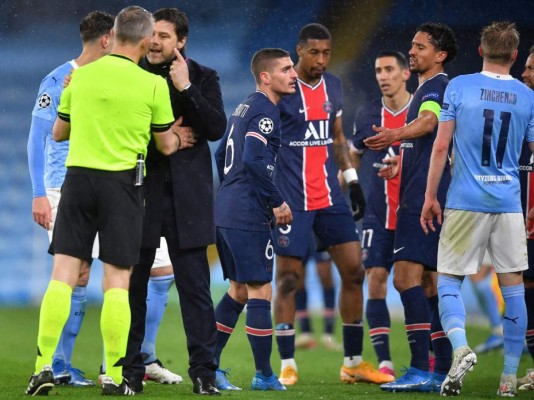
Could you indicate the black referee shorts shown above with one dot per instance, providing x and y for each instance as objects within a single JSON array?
[{"x": 99, "y": 201}]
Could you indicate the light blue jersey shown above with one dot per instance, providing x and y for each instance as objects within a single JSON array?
[
  {"x": 46, "y": 157},
  {"x": 494, "y": 114}
]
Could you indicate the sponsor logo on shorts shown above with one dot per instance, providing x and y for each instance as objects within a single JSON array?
[
  {"x": 365, "y": 254},
  {"x": 395, "y": 251}
]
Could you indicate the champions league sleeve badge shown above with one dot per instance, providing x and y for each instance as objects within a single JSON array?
[
  {"x": 44, "y": 101},
  {"x": 328, "y": 107},
  {"x": 266, "y": 125}
]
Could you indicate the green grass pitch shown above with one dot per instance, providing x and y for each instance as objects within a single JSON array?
[{"x": 318, "y": 369}]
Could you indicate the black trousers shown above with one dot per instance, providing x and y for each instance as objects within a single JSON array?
[{"x": 192, "y": 277}]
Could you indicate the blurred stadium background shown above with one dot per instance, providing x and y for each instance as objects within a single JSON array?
[{"x": 36, "y": 36}]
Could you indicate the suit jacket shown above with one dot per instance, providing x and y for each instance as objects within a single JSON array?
[{"x": 189, "y": 171}]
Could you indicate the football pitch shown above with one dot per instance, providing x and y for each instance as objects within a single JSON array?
[{"x": 318, "y": 368}]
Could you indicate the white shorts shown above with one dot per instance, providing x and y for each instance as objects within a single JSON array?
[
  {"x": 162, "y": 258},
  {"x": 53, "y": 196},
  {"x": 466, "y": 235}
]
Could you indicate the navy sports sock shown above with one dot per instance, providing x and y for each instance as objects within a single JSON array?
[
  {"x": 487, "y": 301},
  {"x": 226, "y": 314},
  {"x": 515, "y": 326},
  {"x": 74, "y": 323},
  {"x": 329, "y": 313},
  {"x": 285, "y": 339},
  {"x": 417, "y": 321},
  {"x": 529, "y": 301},
  {"x": 156, "y": 302},
  {"x": 440, "y": 342},
  {"x": 259, "y": 327},
  {"x": 301, "y": 310},
  {"x": 377, "y": 314},
  {"x": 353, "y": 338}
]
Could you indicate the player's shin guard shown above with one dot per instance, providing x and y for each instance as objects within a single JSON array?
[
  {"x": 74, "y": 322},
  {"x": 417, "y": 321},
  {"x": 353, "y": 338},
  {"x": 440, "y": 343},
  {"x": 115, "y": 324},
  {"x": 259, "y": 327},
  {"x": 377, "y": 315},
  {"x": 452, "y": 310},
  {"x": 226, "y": 314},
  {"x": 156, "y": 302},
  {"x": 55, "y": 309},
  {"x": 515, "y": 326}
]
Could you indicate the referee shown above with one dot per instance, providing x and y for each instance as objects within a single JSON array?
[{"x": 107, "y": 112}]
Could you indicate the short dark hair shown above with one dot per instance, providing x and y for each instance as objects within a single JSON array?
[
  {"x": 401, "y": 58},
  {"x": 263, "y": 59},
  {"x": 95, "y": 25},
  {"x": 499, "y": 40},
  {"x": 313, "y": 31},
  {"x": 442, "y": 37},
  {"x": 177, "y": 18}
]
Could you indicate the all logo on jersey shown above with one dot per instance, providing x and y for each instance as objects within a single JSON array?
[
  {"x": 328, "y": 107},
  {"x": 44, "y": 101},
  {"x": 266, "y": 125}
]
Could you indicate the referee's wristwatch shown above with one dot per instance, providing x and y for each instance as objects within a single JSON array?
[{"x": 186, "y": 87}]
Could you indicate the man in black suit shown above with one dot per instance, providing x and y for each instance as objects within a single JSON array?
[{"x": 179, "y": 202}]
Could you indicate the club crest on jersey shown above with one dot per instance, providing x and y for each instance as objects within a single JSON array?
[
  {"x": 266, "y": 125},
  {"x": 283, "y": 241},
  {"x": 44, "y": 101},
  {"x": 328, "y": 107}
]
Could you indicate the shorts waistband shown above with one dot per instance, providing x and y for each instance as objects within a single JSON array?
[{"x": 126, "y": 177}]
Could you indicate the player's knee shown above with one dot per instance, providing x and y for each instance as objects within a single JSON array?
[
  {"x": 287, "y": 283},
  {"x": 353, "y": 277},
  {"x": 238, "y": 293}
]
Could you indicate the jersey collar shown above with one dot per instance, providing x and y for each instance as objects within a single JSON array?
[{"x": 497, "y": 76}]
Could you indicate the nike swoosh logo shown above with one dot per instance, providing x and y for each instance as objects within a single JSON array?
[
  {"x": 303, "y": 110},
  {"x": 395, "y": 251}
]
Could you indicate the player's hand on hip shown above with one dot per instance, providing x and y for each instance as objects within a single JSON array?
[
  {"x": 283, "y": 214},
  {"x": 42, "y": 212},
  {"x": 179, "y": 72},
  {"x": 431, "y": 209},
  {"x": 357, "y": 201},
  {"x": 185, "y": 134}
]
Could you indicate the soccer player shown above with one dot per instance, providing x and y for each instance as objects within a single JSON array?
[
  {"x": 381, "y": 196},
  {"x": 414, "y": 253},
  {"x": 313, "y": 149},
  {"x": 101, "y": 191},
  {"x": 489, "y": 115},
  {"x": 46, "y": 160},
  {"x": 526, "y": 177},
  {"x": 246, "y": 203}
]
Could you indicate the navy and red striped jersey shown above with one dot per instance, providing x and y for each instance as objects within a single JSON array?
[
  {"x": 306, "y": 171},
  {"x": 415, "y": 153},
  {"x": 245, "y": 162},
  {"x": 526, "y": 179},
  {"x": 381, "y": 196}
]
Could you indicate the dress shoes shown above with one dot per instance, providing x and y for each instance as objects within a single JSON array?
[{"x": 205, "y": 386}]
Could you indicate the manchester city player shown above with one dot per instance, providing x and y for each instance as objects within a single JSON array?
[
  {"x": 489, "y": 115},
  {"x": 414, "y": 253},
  {"x": 246, "y": 205},
  {"x": 46, "y": 160}
]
